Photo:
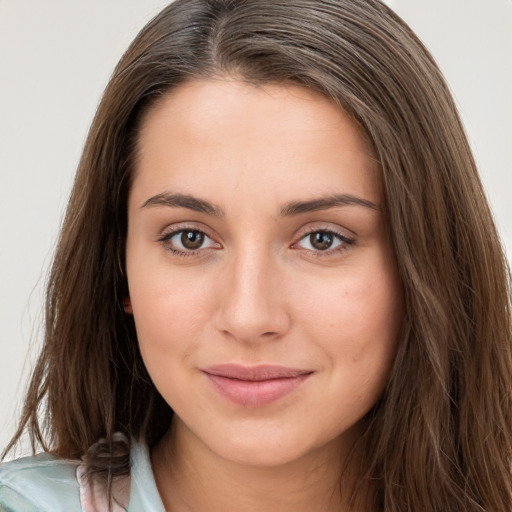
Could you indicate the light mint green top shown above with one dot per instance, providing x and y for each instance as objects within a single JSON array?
[{"x": 46, "y": 484}]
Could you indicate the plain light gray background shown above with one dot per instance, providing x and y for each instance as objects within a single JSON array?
[{"x": 55, "y": 59}]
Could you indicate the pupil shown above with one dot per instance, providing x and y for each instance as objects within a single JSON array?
[
  {"x": 192, "y": 239},
  {"x": 321, "y": 240}
]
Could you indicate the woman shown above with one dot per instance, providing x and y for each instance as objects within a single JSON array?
[{"x": 278, "y": 285}]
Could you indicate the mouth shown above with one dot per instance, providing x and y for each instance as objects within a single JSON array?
[{"x": 255, "y": 386}]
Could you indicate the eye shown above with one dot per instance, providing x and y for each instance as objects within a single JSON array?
[
  {"x": 324, "y": 241},
  {"x": 187, "y": 241}
]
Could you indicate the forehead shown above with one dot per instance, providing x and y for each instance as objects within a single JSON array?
[{"x": 273, "y": 139}]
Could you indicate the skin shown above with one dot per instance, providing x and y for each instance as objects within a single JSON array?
[{"x": 258, "y": 291}]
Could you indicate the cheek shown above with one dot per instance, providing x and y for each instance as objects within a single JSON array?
[
  {"x": 356, "y": 307},
  {"x": 356, "y": 322},
  {"x": 170, "y": 312}
]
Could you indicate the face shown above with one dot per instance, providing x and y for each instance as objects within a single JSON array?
[{"x": 261, "y": 279}]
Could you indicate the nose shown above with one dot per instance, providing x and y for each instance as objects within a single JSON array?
[{"x": 252, "y": 305}]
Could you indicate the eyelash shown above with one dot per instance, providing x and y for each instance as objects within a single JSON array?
[
  {"x": 345, "y": 242},
  {"x": 167, "y": 237}
]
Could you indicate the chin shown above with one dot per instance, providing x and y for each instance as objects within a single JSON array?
[
  {"x": 261, "y": 448},
  {"x": 261, "y": 455}
]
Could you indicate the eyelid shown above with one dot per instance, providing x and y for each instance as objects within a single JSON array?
[
  {"x": 170, "y": 231},
  {"x": 330, "y": 227},
  {"x": 187, "y": 226},
  {"x": 340, "y": 233}
]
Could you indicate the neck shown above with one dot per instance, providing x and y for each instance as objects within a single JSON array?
[{"x": 191, "y": 478}]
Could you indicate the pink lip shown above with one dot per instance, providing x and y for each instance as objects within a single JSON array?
[{"x": 255, "y": 386}]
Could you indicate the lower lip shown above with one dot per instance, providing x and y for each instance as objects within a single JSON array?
[{"x": 255, "y": 393}]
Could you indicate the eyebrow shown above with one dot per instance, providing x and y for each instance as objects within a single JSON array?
[
  {"x": 290, "y": 209},
  {"x": 184, "y": 201},
  {"x": 324, "y": 203}
]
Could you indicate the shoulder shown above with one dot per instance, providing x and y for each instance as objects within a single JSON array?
[
  {"x": 41, "y": 483},
  {"x": 46, "y": 484}
]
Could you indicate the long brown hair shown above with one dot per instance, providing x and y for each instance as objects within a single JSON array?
[{"x": 439, "y": 439}]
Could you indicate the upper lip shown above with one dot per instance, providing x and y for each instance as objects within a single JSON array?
[{"x": 254, "y": 373}]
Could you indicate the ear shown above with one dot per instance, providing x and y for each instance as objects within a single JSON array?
[{"x": 127, "y": 305}]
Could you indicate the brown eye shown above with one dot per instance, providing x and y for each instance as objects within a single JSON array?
[
  {"x": 187, "y": 242},
  {"x": 192, "y": 240},
  {"x": 324, "y": 241},
  {"x": 321, "y": 240}
]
